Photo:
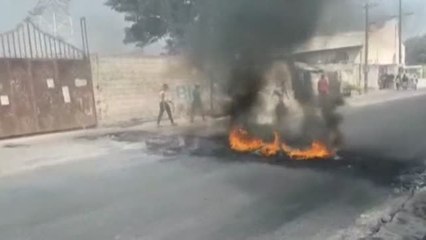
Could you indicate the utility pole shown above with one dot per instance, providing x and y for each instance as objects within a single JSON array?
[
  {"x": 400, "y": 34},
  {"x": 401, "y": 15},
  {"x": 367, "y": 7}
]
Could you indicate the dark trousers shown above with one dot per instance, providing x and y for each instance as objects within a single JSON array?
[
  {"x": 197, "y": 107},
  {"x": 165, "y": 107},
  {"x": 322, "y": 100}
]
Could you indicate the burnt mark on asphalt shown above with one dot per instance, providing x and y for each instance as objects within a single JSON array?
[
  {"x": 122, "y": 136},
  {"x": 16, "y": 146},
  {"x": 371, "y": 165},
  {"x": 378, "y": 168},
  {"x": 374, "y": 167}
]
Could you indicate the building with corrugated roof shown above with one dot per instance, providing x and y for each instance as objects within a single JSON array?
[
  {"x": 343, "y": 54},
  {"x": 349, "y": 47}
]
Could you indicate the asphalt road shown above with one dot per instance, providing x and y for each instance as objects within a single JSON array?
[{"x": 211, "y": 195}]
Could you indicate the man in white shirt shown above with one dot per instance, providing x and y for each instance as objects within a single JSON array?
[{"x": 165, "y": 105}]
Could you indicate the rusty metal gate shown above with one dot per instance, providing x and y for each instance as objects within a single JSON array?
[{"x": 45, "y": 83}]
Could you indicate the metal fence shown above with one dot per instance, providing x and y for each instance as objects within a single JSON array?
[
  {"x": 27, "y": 41},
  {"x": 45, "y": 83}
]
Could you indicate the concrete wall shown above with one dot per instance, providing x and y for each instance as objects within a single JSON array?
[
  {"x": 127, "y": 88},
  {"x": 384, "y": 41}
]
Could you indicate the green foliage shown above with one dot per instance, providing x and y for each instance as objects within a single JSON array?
[
  {"x": 152, "y": 20},
  {"x": 221, "y": 29}
]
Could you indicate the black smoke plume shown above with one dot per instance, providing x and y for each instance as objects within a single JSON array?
[
  {"x": 320, "y": 117},
  {"x": 243, "y": 38}
]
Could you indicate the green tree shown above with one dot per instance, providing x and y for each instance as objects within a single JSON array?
[
  {"x": 152, "y": 20},
  {"x": 217, "y": 30}
]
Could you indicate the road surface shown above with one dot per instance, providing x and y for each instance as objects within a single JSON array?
[{"x": 213, "y": 194}]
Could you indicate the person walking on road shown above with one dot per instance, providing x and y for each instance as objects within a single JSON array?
[
  {"x": 165, "y": 105},
  {"x": 197, "y": 104}
]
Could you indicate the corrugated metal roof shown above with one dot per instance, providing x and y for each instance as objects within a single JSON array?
[
  {"x": 342, "y": 40},
  {"x": 307, "y": 67}
]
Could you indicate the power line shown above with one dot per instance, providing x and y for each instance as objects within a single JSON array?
[{"x": 400, "y": 33}]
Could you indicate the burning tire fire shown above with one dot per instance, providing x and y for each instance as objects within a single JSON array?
[{"x": 241, "y": 141}]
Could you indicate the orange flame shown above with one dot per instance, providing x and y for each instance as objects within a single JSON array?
[
  {"x": 241, "y": 141},
  {"x": 271, "y": 149},
  {"x": 317, "y": 150}
]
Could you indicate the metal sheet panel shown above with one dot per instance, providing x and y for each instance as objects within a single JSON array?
[
  {"x": 47, "y": 92},
  {"x": 75, "y": 75},
  {"x": 7, "y": 117},
  {"x": 18, "y": 113},
  {"x": 39, "y": 96},
  {"x": 45, "y": 83}
]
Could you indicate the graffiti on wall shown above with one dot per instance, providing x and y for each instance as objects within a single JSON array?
[
  {"x": 184, "y": 92},
  {"x": 183, "y": 98}
]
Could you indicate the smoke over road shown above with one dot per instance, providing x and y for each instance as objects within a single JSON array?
[{"x": 243, "y": 39}]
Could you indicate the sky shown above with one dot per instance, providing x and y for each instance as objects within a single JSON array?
[
  {"x": 106, "y": 27},
  {"x": 415, "y": 10}
]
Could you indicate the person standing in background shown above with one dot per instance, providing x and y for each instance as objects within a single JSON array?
[
  {"x": 197, "y": 104},
  {"x": 280, "y": 109},
  {"x": 323, "y": 86},
  {"x": 165, "y": 105},
  {"x": 323, "y": 90}
]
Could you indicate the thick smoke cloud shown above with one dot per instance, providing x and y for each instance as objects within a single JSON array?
[{"x": 244, "y": 37}]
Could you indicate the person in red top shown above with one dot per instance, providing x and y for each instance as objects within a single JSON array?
[
  {"x": 323, "y": 92},
  {"x": 323, "y": 86}
]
